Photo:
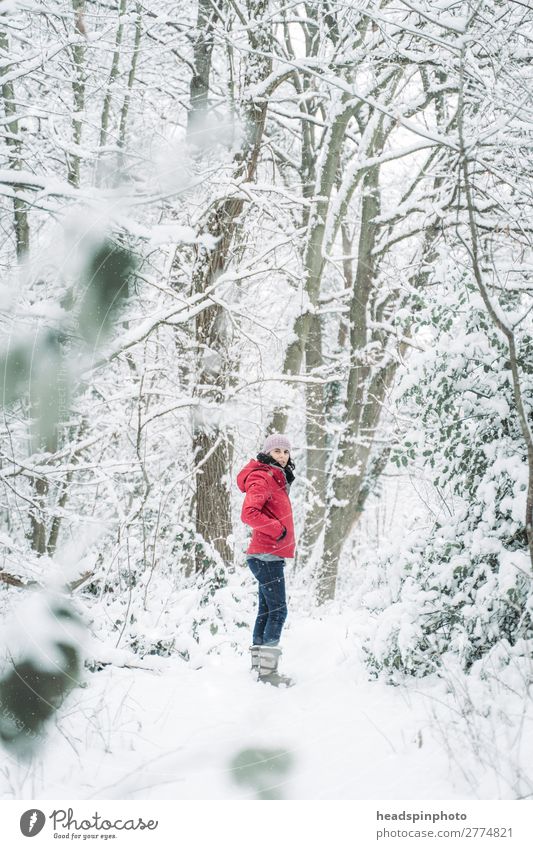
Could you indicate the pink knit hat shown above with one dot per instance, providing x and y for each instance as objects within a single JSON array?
[{"x": 276, "y": 440}]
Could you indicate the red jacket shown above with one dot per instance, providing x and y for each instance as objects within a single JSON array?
[{"x": 267, "y": 508}]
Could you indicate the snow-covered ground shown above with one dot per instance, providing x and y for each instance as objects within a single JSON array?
[
  {"x": 157, "y": 727},
  {"x": 175, "y": 733}
]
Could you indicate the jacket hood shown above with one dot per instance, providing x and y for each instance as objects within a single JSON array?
[{"x": 256, "y": 466}]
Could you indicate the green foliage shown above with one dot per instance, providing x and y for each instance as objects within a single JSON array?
[
  {"x": 463, "y": 585},
  {"x": 263, "y": 771},
  {"x": 15, "y": 370},
  {"x": 34, "y": 367},
  {"x": 37, "y": 368},
  {"x": 31, "y": 692},
  {"x": 105, "y": 282}
]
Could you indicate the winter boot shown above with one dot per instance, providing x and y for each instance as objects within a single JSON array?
[
  {"x": 268, "y": 667},
  {"x": 254, "y": 650}
]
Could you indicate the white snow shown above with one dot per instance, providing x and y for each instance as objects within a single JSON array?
[{"x": 172, "y": 730}]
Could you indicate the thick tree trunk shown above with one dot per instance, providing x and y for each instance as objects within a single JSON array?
[
  {"x": 308, "y": 342},
  {"x": 307, "y": 346},
  {"x": 353, "y": 451},
  {"x": 366, "y": 393},
  {"x": 211, "y": 445},
  {"x": 352, "y": 488}
]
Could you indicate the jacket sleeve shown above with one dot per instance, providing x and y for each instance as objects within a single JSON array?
[{"x": 252, "y": 510}]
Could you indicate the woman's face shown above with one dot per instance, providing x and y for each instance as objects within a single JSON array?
[{"x": 281, "y": 455}]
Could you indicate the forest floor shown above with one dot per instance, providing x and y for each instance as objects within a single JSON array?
[{"x": 174, "y": 731}]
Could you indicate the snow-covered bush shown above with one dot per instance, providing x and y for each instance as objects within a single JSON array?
[
  {"x": 157, "y": 610},
  {"x": 463, "y": 584}
]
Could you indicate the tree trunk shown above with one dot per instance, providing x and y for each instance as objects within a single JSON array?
[
  {"x": 199, "y": 85},
  {"x": 39, "y": 510},
  {"x": 211, "y": 447},
  {"x": 353, "y": 452},
  {"x": 113, "y": 76},
  {"x": 124, "y": 112},
  {"x": 14, "y": 146},
  {"x": 78, "y": 90},
  {"x": 366, "y": 394},
  {"x": 53, "y": 536},
  {"x": 307, "y": 346}
]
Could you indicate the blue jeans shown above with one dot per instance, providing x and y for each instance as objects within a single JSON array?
[{"x": 272, "y": 611}]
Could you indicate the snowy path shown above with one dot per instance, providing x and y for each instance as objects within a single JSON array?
[{"x": 174, "y": 733}]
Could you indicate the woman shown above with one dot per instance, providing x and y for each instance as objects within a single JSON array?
[{"x": 267, "y": 508}]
